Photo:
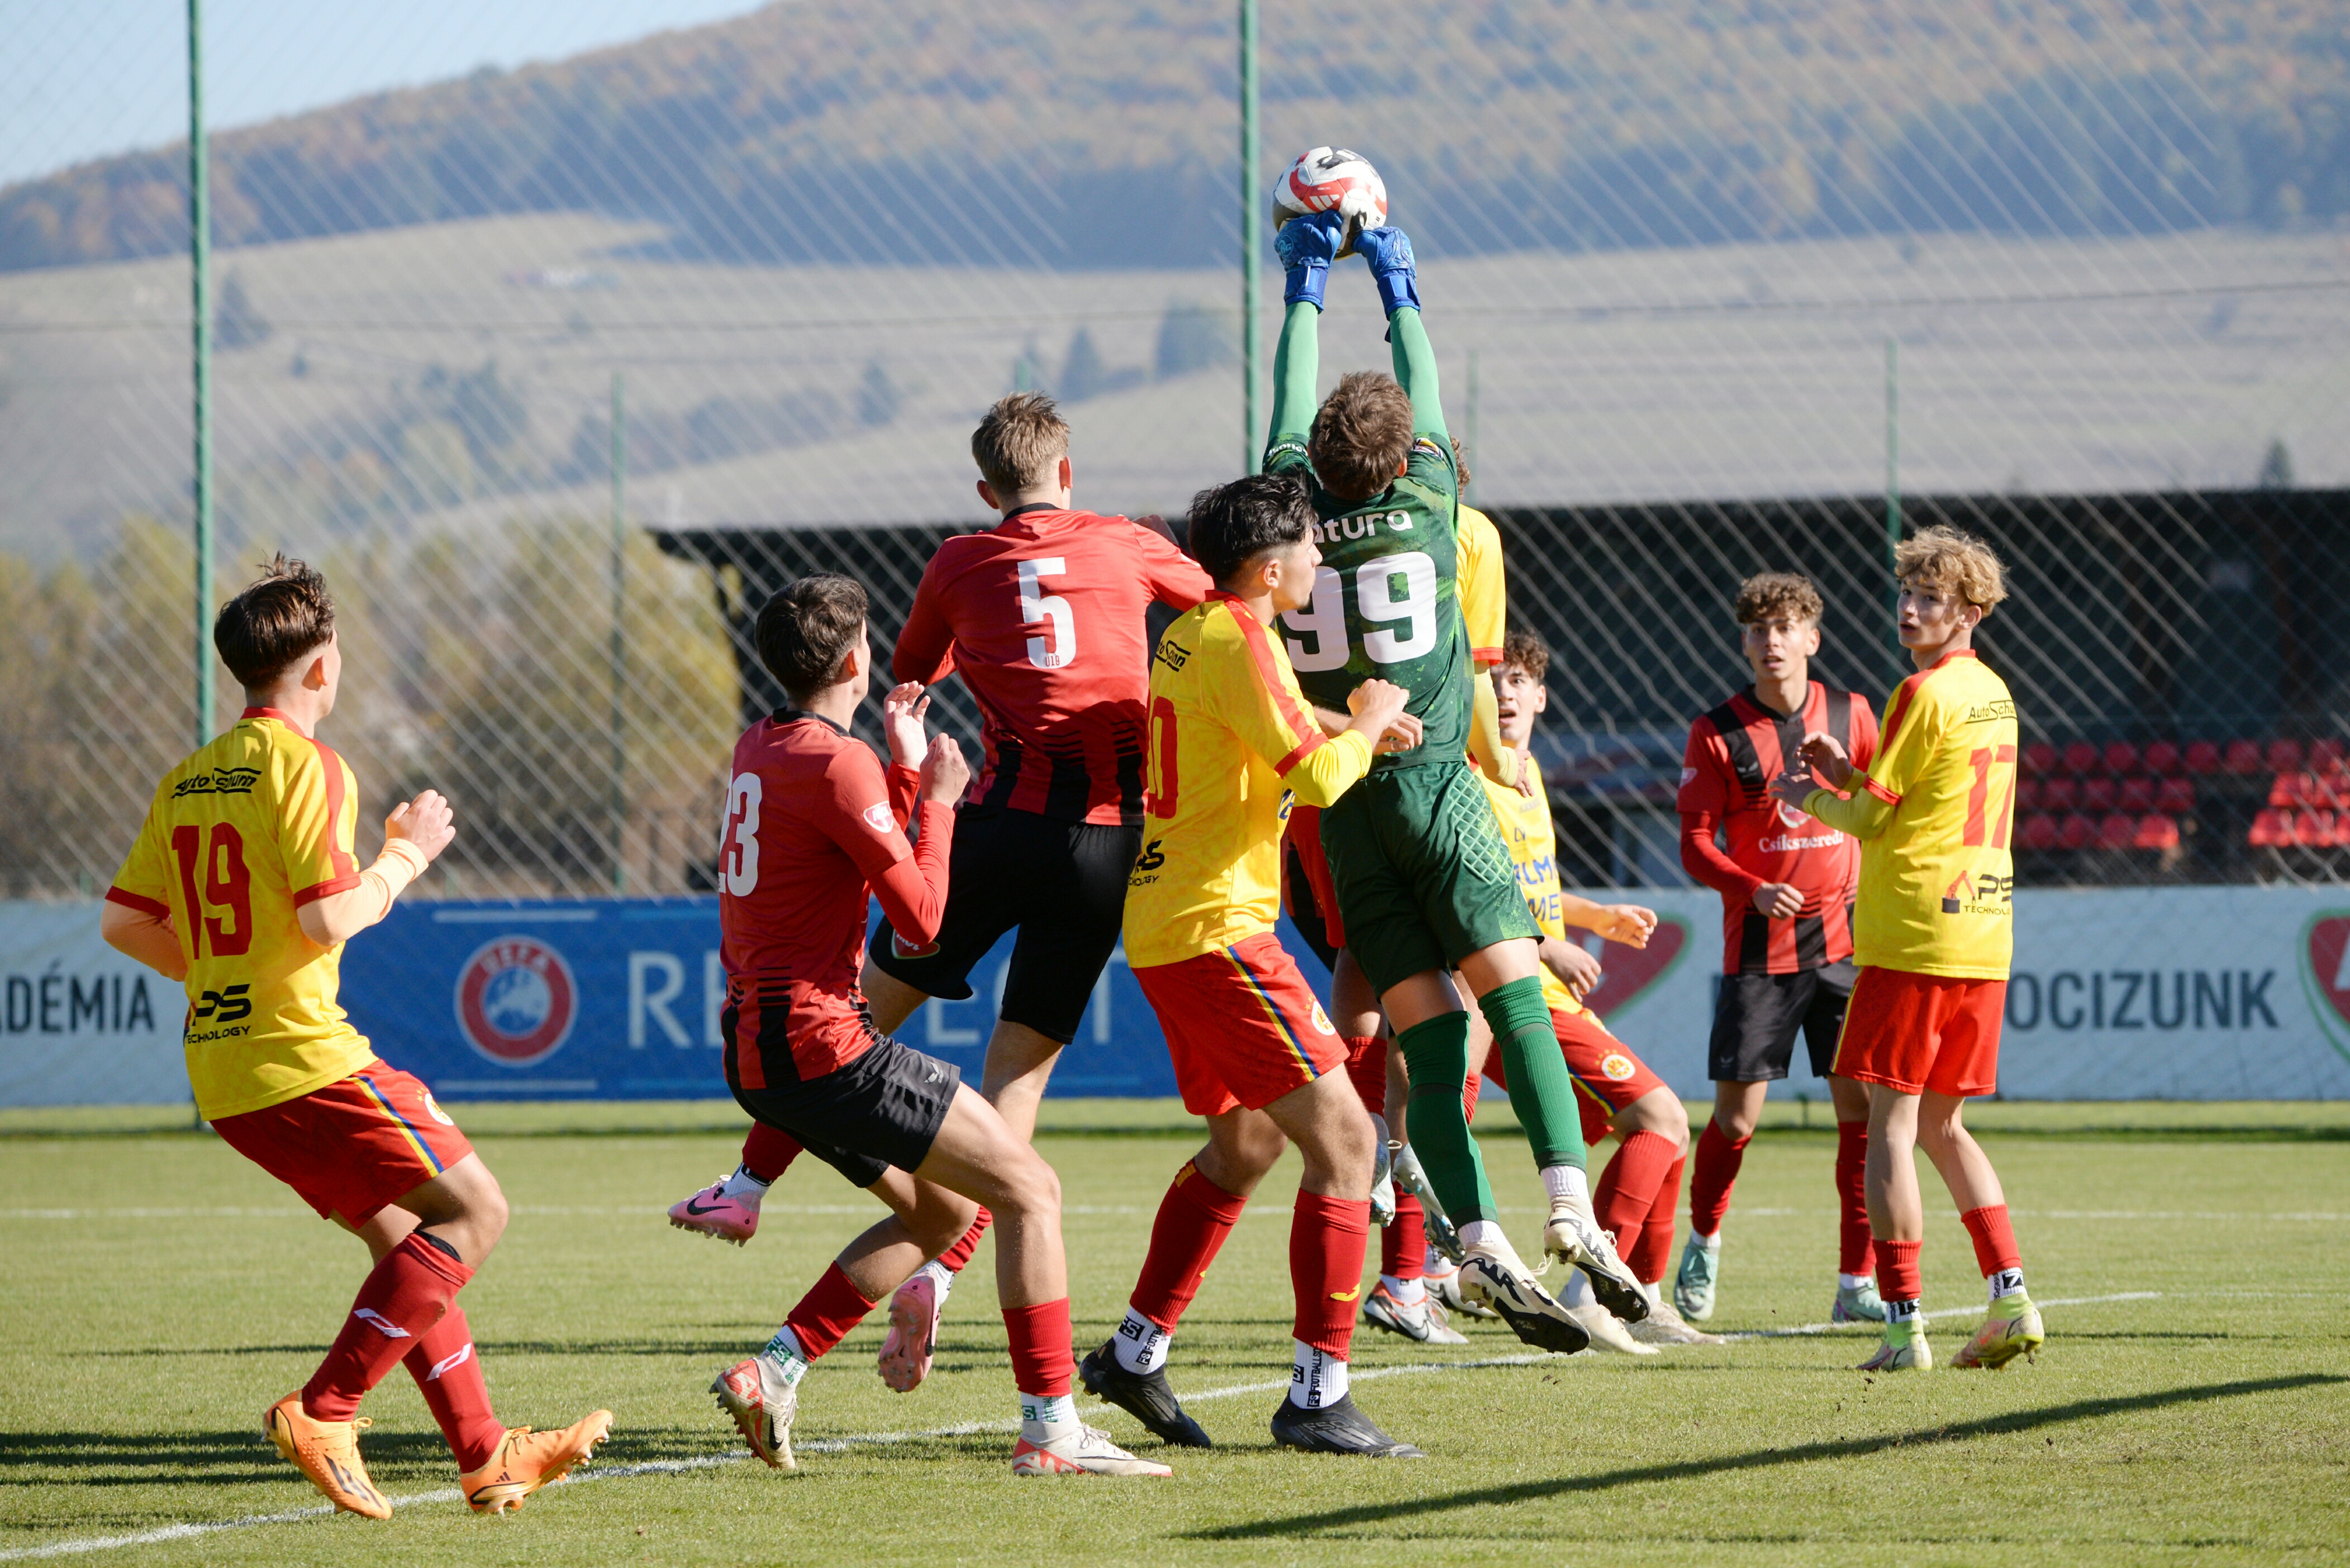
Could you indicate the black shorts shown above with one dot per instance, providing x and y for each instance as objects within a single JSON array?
[
  {"x": 1061, "y": 883},
  {"x": 885, "y": 1108},
  {"x": 1757, "y": 1015}
]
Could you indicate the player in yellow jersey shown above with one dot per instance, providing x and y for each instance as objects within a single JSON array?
[
  {"x": 243, "y": 884},
  {"x": 1933, "y": 933},
  {"x": 1637, "y": 1196},
  {"x": 1232, "y": 743}
]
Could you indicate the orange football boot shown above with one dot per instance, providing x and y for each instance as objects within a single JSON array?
[
  {"x": 526, "y": 1460},
  {"x": 328, "y": 1453}
]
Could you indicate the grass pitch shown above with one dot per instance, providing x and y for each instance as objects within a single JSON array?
[{"x": 2194, "y": 1401}]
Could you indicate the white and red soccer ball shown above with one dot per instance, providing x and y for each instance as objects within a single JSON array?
[{"x": 1332, "y": 179}]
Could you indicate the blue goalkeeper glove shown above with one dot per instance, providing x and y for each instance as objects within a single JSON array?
[
  {"x": 1307, "y": 247},
  {"x": 1389, "y": 251}
]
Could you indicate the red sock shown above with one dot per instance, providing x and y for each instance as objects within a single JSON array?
[
  {"x": 1628, "y": 1187},
  {"x": 1897, "y": 1271},
  {"x": 1403, "y": 1246},
  {"x": 1328, "y": 1238},
  {"x": 1042, "y": 1348},
  {"x": 1718, "y": 1159},
  {"x": 1994, "y": 1239},
  {"x": 402, "y": 1297},
  {"x": 823, "y": 1317},
  {"x": 768, "y": 1152},
  {"x": 955, "y": 1257},
  {"x": 1194, "y": 1218},
  {"x": 1652, "y": 1254},
  {"x": 449, "y": 1375},
  {"x": 1366, "y": 1066},
  {"x": 1854, "y": 1251}
]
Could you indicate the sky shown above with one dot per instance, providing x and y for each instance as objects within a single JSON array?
[{"x": 89, "y": 78}]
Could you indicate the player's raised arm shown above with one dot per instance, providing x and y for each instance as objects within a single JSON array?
[
  {"x": 925, "y": 650},
  {"x": 1389, "y": 253},
  {"x": 1306, "y": 247}
]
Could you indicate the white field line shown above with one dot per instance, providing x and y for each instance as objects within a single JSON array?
[
  {"x": 873, "y": 1440},
  {"x": 533, "y": 1208}
]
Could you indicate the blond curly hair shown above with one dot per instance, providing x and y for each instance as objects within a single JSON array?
[{"x": 1948, "y": 559}]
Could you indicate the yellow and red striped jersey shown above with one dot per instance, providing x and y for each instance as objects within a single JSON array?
[
  {"x": 1484, "y": 595},
  {"x": 1937, "y": 877},
  {"x": 1231, "y": 738},
  {"x": 239, "y": 836}
]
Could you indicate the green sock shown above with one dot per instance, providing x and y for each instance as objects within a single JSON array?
[
  {"x": 1437, "y": 1053},
  {"x": 1542, "y": 1091}
]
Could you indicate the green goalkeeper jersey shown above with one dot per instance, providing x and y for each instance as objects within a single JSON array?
[{"x": 1386, "y": 600}]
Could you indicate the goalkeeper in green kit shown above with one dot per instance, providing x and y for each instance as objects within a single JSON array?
[{"x": 1424, "y": 882}]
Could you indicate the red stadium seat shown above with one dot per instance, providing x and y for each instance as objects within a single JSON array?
[
  {"x": 2325, "y": 754},
  {"x": 2243, "y": 757},
  {"x": 2027, "y": 794},
  {"x": 2137, "y": 795},
  {"x": 2040, "y": 831},
  {"x": 2178, "y": 796},
  {"x": 2099, "y": 795},
  {"x": 2315, "y": 829},
  {"x": 2081, "y": 757},
  {"x": 2078, "y": 832},
  {"x": 2291, "y": 789},
  {"x": 2040, "y": 757},
  {"x": 2285, "y": 756},
  {"x": 2060, "y": 794},
  {"x": 2271, "y": 829},
  {"x": 2117, "y": 831},
  {"x": 2162, "y": 758},
  {"x": 2202, "y": 757},
  {"x": 2120, "y": 758},
  {"x": 2156, "y": 832}
]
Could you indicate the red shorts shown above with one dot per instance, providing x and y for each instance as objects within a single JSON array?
[
  {"x": 1305, "y": 832},
  {"x": 1607, "y": 1075},
  {"x": 1919, "y": 1034},
  {"x": 1241, "y": 1025},
  {"x": 354, "y": 1148}
]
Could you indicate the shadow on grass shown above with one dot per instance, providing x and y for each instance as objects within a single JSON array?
[{"x": 1419, "y": 1509}]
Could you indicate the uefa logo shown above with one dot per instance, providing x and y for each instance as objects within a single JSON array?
[{"x": 515, "y": 1001}]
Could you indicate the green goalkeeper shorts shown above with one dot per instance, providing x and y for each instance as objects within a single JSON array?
[{"x": 1422, "y": 876}]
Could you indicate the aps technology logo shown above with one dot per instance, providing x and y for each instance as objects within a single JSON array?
[
  {"x": 515, "y": 1001},
  {"x": 2325, "y": 975}
]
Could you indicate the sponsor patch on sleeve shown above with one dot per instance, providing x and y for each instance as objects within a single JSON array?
[{"x": 877, "y": 817}]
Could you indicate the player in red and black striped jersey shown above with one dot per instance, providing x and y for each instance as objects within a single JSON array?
[
  {"x": 1042, "y": 615},
  {"x": 812, "y": 828},
  {"x": 1787, "y": 883}
]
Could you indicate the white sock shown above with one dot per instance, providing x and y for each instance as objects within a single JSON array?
[
  {"x": 1710, "y": 1243},
  {"x": 1854, "y": 1282},
  {"x": 1577, "y": 1291},
  {"x": 1407, "y": 1293},
  {"x": 1140, "y": 1345},
  {"x": 1900, "y": 1312},
  {"x": 1483, "y": 1233},
  {"x": 941, "y": 1275},
  {"x": 1318, "y": 1381},
  {"x": 1652, "y": 1289},
  {"x": 785, "y": 1354},
  {"x": 1437, "y": 1266},
  {"x": 1567, "y": 1182},
  {"x": 745, "y": 1187},
  {"x": 1044, "y": 1418},
  {"x": 2004, "y": 1282}
]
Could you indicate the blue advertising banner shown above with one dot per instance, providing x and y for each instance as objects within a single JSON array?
[{"x": 619, "y": 999}]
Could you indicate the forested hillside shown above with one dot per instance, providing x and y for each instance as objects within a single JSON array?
[{"x": 1100, "y": 133}]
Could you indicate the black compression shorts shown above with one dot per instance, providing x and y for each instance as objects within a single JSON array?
[{"x": 1063, "y": 884}]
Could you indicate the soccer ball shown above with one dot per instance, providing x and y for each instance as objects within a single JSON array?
[{"x": 1332, "y": 179}]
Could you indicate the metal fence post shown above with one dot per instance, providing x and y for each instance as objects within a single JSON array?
[{"x": 1251, "y": 241}]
